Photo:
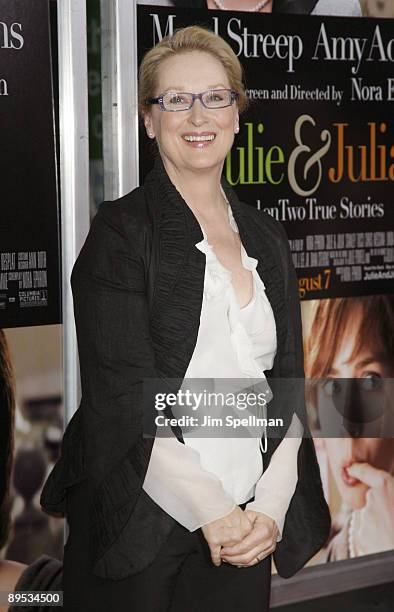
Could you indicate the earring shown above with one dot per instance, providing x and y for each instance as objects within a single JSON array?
[
  {"x": 150, "y": 135},
  {"x": 236, "y": 129}
]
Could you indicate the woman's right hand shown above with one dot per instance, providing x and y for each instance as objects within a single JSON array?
[{"x": 226, "y": 531}]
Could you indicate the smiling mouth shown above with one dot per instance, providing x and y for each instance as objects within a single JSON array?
[{"x": 199, "y": 138}]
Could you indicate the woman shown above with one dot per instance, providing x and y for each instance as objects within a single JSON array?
[
  {"x": 302, "y": 7},
  {"x": 45, "y": 573},
  {"x": 9, "y": 570},
  {"x": 175, "y": 278},
  {"x": 362, "y": 467},
  {"x": 7, "y": 404}
]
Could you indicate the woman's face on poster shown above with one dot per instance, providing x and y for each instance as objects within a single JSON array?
[{"x": 361, "y": 404}]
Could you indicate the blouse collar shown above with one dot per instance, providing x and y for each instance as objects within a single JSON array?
[{"x": 250, "y": 263}]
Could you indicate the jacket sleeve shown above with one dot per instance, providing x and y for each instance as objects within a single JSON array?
[
  {"x": 116, "y": 356},
  {"x": 114, "y": 345},
  {"x": 104, "y": 443}
]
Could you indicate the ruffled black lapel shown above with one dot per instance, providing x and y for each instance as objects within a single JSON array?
[
  {"x": 258, "y": 242},
  {"x": 179, "y": 278}
]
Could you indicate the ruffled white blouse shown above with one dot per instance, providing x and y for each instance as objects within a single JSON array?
[{"x": 205, "y": 478}]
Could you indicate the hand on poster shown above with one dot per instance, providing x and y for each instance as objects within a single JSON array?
[
  {"x": 373, "y": 527},
  {"x": 257, "y": 545}
]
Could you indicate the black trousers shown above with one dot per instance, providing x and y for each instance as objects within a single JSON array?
[{"x": 182, "y": 578}]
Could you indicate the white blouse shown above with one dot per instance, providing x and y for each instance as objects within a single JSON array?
[{"x": 205, "y": 478}]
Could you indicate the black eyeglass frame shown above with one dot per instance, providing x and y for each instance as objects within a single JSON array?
[{"x": 159, "y": 100}]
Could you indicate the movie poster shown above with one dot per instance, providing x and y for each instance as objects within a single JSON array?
[
  {"x": 349, "y": 351},
  {"x": 316, "y": 151},
  {"x": 29, "y": 227},
  {"x": 31, "y": 384},
  {"x": 315, "y": 148}
]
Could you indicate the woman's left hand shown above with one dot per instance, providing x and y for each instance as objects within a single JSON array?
[
  {"x": 260, "y": 542},
  {"x": 374, "y": 524}
]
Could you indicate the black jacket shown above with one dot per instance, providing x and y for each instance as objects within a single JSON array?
[{"x": 138, "y": 289}]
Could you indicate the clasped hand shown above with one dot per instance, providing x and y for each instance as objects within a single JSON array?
[{"x": 242, "y": 538}]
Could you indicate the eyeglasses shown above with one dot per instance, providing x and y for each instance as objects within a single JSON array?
[{"x": 181, "y": 101}]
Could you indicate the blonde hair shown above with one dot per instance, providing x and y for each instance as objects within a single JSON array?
[{"x": 186, "y": 40}]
